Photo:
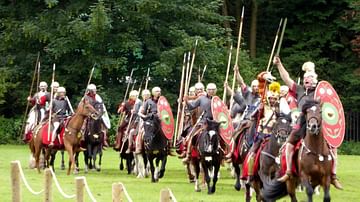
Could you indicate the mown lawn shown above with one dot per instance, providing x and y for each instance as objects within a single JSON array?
[{"x": 142, "y": 189}]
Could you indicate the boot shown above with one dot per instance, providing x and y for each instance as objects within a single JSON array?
[
  {"x": 289, "y": 155},
  {"x": 335, "y": 182},
  {"x": 251, "y": 161}
]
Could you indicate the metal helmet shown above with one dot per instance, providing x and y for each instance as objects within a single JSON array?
[
  {"x": 55, "y": 84},
  {"x": 91, "y": 87},
  {"x": 43, "y": 84},
  {"x": 145, "y": 92},
  {"x": 133, "y": 94},
  {"x": 199, "y": 85},
  {"x": 211, "y": 86},
  {"x": 155, "y": 89},
  {"x": 255, "y": 83},
  {"x": 192, "y": 90},
  {"x": 61, "y": 90}
]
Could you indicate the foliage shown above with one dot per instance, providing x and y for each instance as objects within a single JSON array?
[
  {"x": 9, "y": 130},
  {"x": 349, "y": 148}
]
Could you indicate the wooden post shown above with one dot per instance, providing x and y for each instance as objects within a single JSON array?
[
  {"x": 48, "y": 185},
  {"x": 15, "y": 182},
  {"x": 165, "y": 195},
  {"x": 117, "y": 189},
  {"x": 80, "y": 183}
]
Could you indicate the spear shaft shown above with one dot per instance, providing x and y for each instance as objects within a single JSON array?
[{"x": 51, "y": 101}]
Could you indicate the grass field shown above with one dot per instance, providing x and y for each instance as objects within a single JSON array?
[{"x": 142, "y": 190}]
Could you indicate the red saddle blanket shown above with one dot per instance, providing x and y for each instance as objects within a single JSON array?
[
  {"x": 294, "y": 163},
  {"x": 59, "y": 141},
  {"x": 245, "y": 169}
]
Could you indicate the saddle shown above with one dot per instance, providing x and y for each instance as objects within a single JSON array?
[
  {"x": 245, "y": 124},
  {"x": 59, "y": 141}
]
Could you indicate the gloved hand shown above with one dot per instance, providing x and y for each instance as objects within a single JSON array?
[{"x": 268, "y": 77}]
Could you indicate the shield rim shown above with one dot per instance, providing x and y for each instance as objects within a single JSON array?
[
  {"x": 172, "y": 121},
  {"x": 230, "y": 126}
]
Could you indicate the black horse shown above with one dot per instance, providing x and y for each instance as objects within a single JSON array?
[
  {"x": 94, "y": 136},
  {"x": 243, "y": 142},
  {"x": 210, "y": 153},
  {"x": 269, "y": 160},
  {"x": 155, "y": 144}
]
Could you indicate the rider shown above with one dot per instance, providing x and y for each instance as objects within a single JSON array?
[
  {"x": 40, "y": 99},
  {"x": 204, "y": 104},
  {"x": 134, "y": 94},
  {"x": 145, "y": 94},
  {"x": 303, "y": 94},
  {"x": 95, "y": 99},
  {"x": 60, "y": 110}
]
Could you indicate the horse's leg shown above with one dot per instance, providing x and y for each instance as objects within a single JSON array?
[
  {"x": 257, "y": 188},
  {"x": 121, "y": 165},
  {"x": 37, "y": 157},
  {"x": 76, "y": 160},
  {"x": 237, "y": 185},
  {"x": 196, "y": 165},
  {"x": 309, "y": 189},
  {"x": 152, "y": 168},
  {"x": 163, "y": 164},
  {"x": 206, "y": 175},
  {"x": 52, "y": 156},
  {"x": 86, "y": 160},
  {"x": 216, "y": 172},
  {"x": 247, "y": 192},
  {"x": 129, "y": 159},
  {"x": 62, "y": 161},
  {"x": 327, "y": 191},
  {"x": 69, "y": 149},
  {"x": 291, "y": 186}
]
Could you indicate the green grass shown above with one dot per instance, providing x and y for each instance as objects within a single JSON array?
[{"x": 142, "y": 189}]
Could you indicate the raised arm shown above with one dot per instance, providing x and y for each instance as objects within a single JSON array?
[
  {"x": 283, "y": 73},
  {"x": 239, "y": 77}
]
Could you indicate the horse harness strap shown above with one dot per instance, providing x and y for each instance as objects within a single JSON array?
[
  {"x": 277, "y": 159},
  {"x": 320, "y": 156}
]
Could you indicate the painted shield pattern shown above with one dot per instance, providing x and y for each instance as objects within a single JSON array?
[
  {"x": 166, "y": 117},
  {"x": 221, "y": 114},
  {"x": 333, "y": 118}
]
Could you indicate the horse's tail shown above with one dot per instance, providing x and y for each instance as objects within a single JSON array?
[{"x": 273, "y": 190}]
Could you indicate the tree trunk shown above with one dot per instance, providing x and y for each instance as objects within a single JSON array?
[{"x": 253, "y": 26}]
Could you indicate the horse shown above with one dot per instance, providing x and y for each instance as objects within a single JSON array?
[
  {"x": 155, "y": 144},
  {"x": 210, "y": 153},
  {"x": 243, "y": 142},
  {"x": 70, "y": 138},
  {"x": 314, "y": 157},
  {"x": 267, "y": 156},
  {"x": 94, "y": 136}
]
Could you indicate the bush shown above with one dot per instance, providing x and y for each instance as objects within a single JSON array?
[
  {"x": 10, "y": 130},
  {"x": 349, "y": 148}
]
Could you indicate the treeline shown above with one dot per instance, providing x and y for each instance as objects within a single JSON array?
[{"x": 120, "y": 35}]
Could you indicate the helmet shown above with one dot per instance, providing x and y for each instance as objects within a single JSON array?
[
  {"x": 309, "y": 68},
  {"x": 254, "y": 83},
  {"x": 271, "y": 94},
  {"x": 55, "y": 84},
  {"x": 284, "y": 88},
  {"x": 61, "y": 90},
  {"x": 91, "y": 87},
  {"x": 134, "y": 93},
  {"x": 199, "y": 85},
  {"x": 155, "y": 89},
  {"x": 43, "y": 84},
  {"x": 274, "y": 90},
  {"x": 145, "y": 92},
  {"x": 211, "y": 86},
  {"x": 192, "y": 89}
]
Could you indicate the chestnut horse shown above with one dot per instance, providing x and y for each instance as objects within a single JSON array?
[{"x": 71, "y": 137}]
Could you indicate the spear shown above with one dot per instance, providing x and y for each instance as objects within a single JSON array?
[
  {"x": 274, "y": 45},
  {"x": 180, "y": 99},
  {"x": 147, "y": 78},
  {"x": 237, "y": 56},
  {"x": 227, "y": 73},
  {"x": 192, "y": 64},
  {"x": 89, "y": 80},
  {"x": 122, "y": 115},
  {"x": 199, "y": 73},
  {"x": 202, "y": 75},
  {"x": 51, "y": 101},
  {"x": 30, "y": 92},
  {"x": 38, "y": 75},
  {"x": 281, "y": 37}
]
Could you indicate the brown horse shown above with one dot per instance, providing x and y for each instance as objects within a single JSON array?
[
  {"x": 314, "y": 157},
  {"x": 71, "y": 139}
]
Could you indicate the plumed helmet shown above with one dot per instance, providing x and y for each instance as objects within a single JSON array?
[
  {"x": 155, "y": 89},
  {"x": 134, "y": 93},
  {"x": 211, "y": 86},
  {"x": 61, "y": 90},
  {"x": 43, "y": 84},
  {"x": 199, "y": 85},
  {"x": 145, "y": 92},
  {"x": 274, "y": 90},
  {"x": 255, "y": 83},
  {"x": 55, "y": 84},
  {"x": 309, "y": 68},
  {"x": 91, "y": 87},
  {"x": 271, "y": 94}
]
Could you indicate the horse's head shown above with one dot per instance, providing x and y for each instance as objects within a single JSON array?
[
  {"x": 312, "y": 111},
  {"x": 210, "y": 137},
  {"x": 85, "y": 108},
  {"x": 282, "y": 128}
]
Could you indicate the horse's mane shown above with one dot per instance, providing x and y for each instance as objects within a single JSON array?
[{"x": 308, "y": 104}]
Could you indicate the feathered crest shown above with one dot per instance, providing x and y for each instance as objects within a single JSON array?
[{"x": 274, "y": 87}]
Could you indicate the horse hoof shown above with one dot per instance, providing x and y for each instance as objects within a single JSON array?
[
  {"x": 161, "y": 174},
  {"x": 197, "y": 190},
  {"x": 86, "y": 170},
  {"x": 153, "y": 180},
  {"x": 213, "y": 190},
  {"x": 98, "y": 169},
  {"x": 62, "y": 167},
  {"x": 121, "y": 167},
  {"x": 237, "y": 187},
  {"x": 209, "y": 192}
]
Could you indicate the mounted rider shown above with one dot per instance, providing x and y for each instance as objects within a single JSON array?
[
  {"x": 145, "y": 94},
  {"x": 94, "y": 98},
  {"x": 134, "y": 94},
  {"x": 303, "y": 94},
  {"x": 61, "y": 110},
  {"x": 40, "y": 101},
  {"x": 204, "y": 104}
]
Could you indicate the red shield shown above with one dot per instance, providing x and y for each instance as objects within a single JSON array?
[
  {"x": 221, "y": 113},
  {"x": 166, "y": 117},
  {"x": 333, "y": 118}
]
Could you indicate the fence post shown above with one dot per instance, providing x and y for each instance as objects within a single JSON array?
[
  {"x": 80, "y": 183},
  {"x": 15, "y": 182},
  {"x": 117, "y": 190},
  {"x": 48, "y": 185},
  {"x": 165, "y": 195}
]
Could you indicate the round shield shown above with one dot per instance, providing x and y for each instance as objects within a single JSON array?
[
  {"x": 166, "y": 117},
  {"x": 221, "y": 114},
  {"x": 333, "y": 118}
]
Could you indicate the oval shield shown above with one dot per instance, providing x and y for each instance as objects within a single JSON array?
[
  {"x": 166, "y": 117},
  {"x": 333, "y": 118},
  {"x": 221, "y": 114}
]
